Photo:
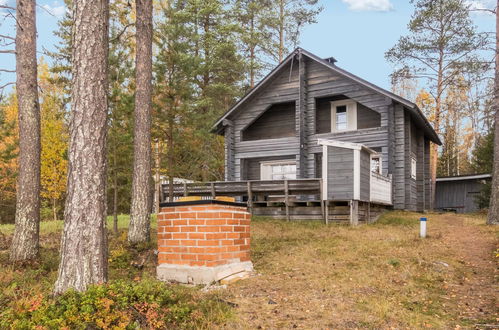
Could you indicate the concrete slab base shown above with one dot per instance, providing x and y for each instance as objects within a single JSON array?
[{"x": 201, "y": 275}]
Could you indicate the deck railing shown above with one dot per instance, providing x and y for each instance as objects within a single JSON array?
[
  {"x": 381, "y": 189},
  {"x": 249, "y": 189}
]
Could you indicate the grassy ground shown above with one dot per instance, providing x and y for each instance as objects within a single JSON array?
[
  {"x": 374, "y": 276},
  {"x": 309, "y": 275}
]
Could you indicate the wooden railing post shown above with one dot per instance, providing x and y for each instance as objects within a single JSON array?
[
  {"x": 186, "y": 193},
  {"x": 286, "y": 198},
  {"x": 213, "y": 194}
]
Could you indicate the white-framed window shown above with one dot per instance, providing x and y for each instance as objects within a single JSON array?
[
  {"x": 278, "y": 170},
  {"x": 343, "y": 115},
  {"x": 376, "y": 163},
  {"x": 413, "y": 168}
]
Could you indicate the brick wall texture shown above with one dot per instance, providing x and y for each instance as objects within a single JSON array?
[{"x": 203, "y": 235}]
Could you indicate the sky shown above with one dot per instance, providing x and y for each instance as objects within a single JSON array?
[{"x": 355, "y": 32}]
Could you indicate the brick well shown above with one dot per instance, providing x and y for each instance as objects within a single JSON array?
[{"x": 203, "y": 241}]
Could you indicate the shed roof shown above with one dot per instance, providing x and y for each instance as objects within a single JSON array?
[
  {"x": 430, "y": 132},
  {"x": 464, "y": 177}
]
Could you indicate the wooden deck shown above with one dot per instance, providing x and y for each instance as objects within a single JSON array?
[{"x": 299, "y": 199}]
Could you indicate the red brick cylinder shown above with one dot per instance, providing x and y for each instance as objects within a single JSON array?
[{"x": 203, "y": 241}]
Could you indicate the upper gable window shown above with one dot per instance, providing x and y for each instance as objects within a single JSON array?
[{"x": 343, "y": 116}]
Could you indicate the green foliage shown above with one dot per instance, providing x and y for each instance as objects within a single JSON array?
[
  {"x": 482, "y": 162},
  {"x": 119, "y": 304}
]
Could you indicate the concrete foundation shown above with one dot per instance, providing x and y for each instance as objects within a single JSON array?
[{"x": 201, "y": 274}]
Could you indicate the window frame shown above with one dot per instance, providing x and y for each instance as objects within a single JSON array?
[
  {"x": 351, "y": 115},
  {"x": 380, "y": 167},
  {"x": 266, "y": 168},
  {"x": 414, "y": 168}
]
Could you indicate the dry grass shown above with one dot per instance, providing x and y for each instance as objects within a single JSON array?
[
  {"x": 375, "y": 276},
  {"x": 316, "y": 276}
]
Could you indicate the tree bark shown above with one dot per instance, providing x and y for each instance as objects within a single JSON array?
[
  {"x": 138, "y": 232},
  {"x": 493, "y": 215},
  {"x": 25, "y": 242},
  {"x": 84, "y": 239}
]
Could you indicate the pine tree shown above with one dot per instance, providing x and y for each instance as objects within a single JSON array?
[
  {"x": 441, "y": 43},
  {"x": 138, "y": 231},
  {"x": 25, "y": 242},
  {"x": 287, "y": 19},
  {"x": 84, "y": 238}
]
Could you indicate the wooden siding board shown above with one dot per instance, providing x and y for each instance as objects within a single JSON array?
[
  {"x": 399, "y": 168},
  {"x": 277, "y": 121},
  {"x": 420, "y": 173},
  {"x": 365, "y": 175},
  {"x": 427, "y": 171},
  {"x": 340, "y": 175}
]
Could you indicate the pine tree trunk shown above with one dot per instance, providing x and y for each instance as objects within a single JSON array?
[
  {"x": 138, "y": 231},
  {"x": 84, "y": 240},
  {"x": 25, "y": 242},
  {"x": 493, "y": 216},
  {"x": 281, "y": 30}
]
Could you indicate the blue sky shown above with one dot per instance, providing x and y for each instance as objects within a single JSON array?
[{"x": 356, "y": 32}]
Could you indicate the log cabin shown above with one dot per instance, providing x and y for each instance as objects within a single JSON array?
[{"x": 313, "y": 141}]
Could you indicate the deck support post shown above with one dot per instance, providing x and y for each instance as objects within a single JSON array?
[
  {"x": 368, "y": 212},
  {"x": 326, "y": 204},
  {"x": 354, "y": 212},
  {"x": 250, "y": 196},
  {"x": 286, "y": 199}
]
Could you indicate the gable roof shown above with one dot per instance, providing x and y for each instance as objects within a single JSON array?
[{"x": 430, "y": 132}]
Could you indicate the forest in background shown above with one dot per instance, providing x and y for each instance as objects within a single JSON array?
[{"x": 207, "y": 54}]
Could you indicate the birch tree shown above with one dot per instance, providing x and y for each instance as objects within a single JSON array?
[
  {"x": 25, "y": 242},
  {"x": 138, "y": 232},
  {"x": 84, "y": 238}
]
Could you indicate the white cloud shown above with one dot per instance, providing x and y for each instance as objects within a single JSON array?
[
  {"x": 369, "y": 5},
  {"x": 480, "y": 6},
  {"x": 55, "y": 9}
]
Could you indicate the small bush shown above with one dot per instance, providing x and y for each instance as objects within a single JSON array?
[{"x": 121, "y": 304}]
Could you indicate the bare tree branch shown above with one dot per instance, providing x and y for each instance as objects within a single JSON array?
[
  {"x": 7, "y": 84},
  {"x": 7, "y": 7},
  {"x": 118, "y": 36},
  {"x": 5, "y": 70},
  {"x": 8, "y": 51},
  {"x": 7, "y": 37},
  {"x": 46, "y": 10}
]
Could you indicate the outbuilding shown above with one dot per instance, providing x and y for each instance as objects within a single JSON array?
[{"x": 459, "y": 193}]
